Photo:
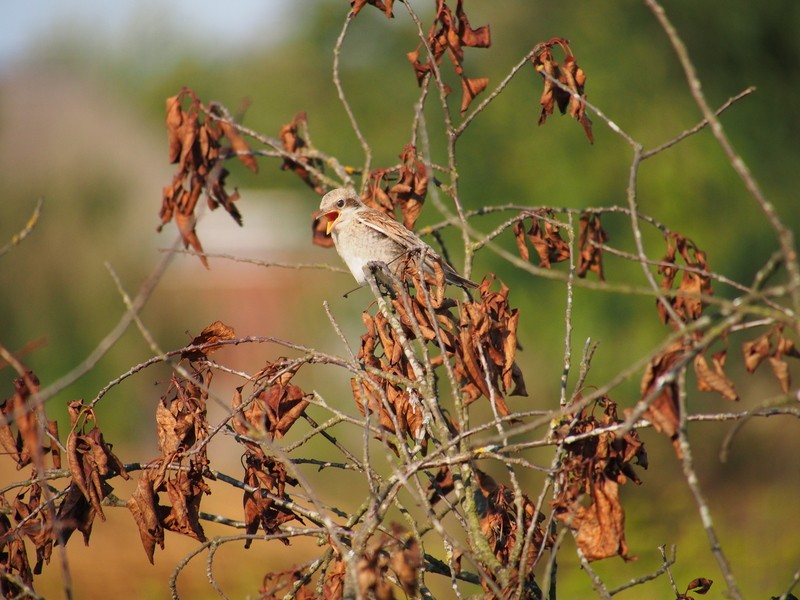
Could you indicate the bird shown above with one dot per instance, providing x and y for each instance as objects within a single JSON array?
[{"x": 364, "y": 235}]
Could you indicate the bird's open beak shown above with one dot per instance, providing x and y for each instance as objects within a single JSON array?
[{"x": 332, "y": 216}]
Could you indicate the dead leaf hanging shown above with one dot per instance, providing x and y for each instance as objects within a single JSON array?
[
  {"x": 564, "y": 84},
  {"x": 195, "y": 136}
]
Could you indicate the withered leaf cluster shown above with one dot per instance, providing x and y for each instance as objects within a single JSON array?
[
  {"x": 34, "y": 518},
  {"x": 196, "y": 146},
  {"x": 588, "y": 480},
  {"x": 91, "y": 462},
  {"x": 269, "y": 478},
  {"x": 773, "y": 346},
  {"x": 278, "y": 585},
  {"x": 497, "y": 508},
  {"x": 663, "y": 411},
  {"x": 449, "y": 34},
  {"x": 712, "y": 378},
  {"x": 591, "y": 237},
  {"x": 404, "y": 187},
  {"x": 14, "y": 564},
  {"x": 273, "y": 408},
  {"x": 19, "y": 414},
  {"x": 480, "y": 341},
  {"x": 291, "y": 135},
  {"x": 485, "y": 355},
  {"x": 570, "y": 76},
  {"x": 694, "y": 280},
  {"x": 398, "y": 407},
  {"x": 544, "y": 234},
  {"x": 184, "y": 488},
  {"x": 388, "y": 556},
  {"x": 35, "y": 521},
  {"x": 181, "y": 470},
  {"x": 498, "y": 518},
  {"x": 660, "y": 377},
  {"x": 269, "y": 413}
]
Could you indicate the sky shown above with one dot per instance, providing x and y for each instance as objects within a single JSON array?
[{"x": 233, "y": 24}]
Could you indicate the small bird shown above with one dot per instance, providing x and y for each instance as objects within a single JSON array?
[{"x": 363, "y": 235}]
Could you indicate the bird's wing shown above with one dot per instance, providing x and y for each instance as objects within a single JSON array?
[{"x": 395, "y": 231}]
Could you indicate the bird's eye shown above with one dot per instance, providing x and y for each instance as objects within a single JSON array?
[{"x": 340, "y": 203}]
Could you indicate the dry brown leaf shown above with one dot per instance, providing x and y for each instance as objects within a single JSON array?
[
  {"x": 600, "y": 526},
  {"x": 215, "y": 332},
  {"x": 475, "y": 38},
  {"x": 333, "y": 588},
  {"x": 184, "y": 488},
  {"x": 575, "y": 79},
  {"x": 664, "y": 412},
  {"x": 284, "y": 404},
  {"x": 715, "y": 380},
  {"x": 701, "y": 585},
  {"x": 398, "y": 553},
  {"x": 404, "y": 188},
  {"x": 441, "y": 485},
  {"x": 239, "y": 146},
  {"x": 75, "y": 513},
  {"x": 420, "y": 70},
  {"x": 781, "y": 371},
  {"x": 519, "y": 237},
  {"x": 91, "y": 461},
  {"x": 471, "y": 88},
  {"x": 186, "y": 227},
  {"x": 406, "y": 559},
  {"x": 590, "y": 237},
  {"x": 384, "y": 5},
  {"x": 142, "y": 505},
  {"x": 174, "y": 121},
  {"x": 487, "y": 334}
]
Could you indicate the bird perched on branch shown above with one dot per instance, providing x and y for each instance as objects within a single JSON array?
[{"x": 364, "y": 235}]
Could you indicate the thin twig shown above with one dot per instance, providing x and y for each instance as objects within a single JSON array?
[
  {"x": 689, "y": 473},
  {"x": 337, "y": 52},
  {"x": 32, "y": 221}
]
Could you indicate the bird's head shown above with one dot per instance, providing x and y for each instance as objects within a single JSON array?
[{"x": 338, "y": 203}]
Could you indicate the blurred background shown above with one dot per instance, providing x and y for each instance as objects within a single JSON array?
[{"x": 82, "y": 91}]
